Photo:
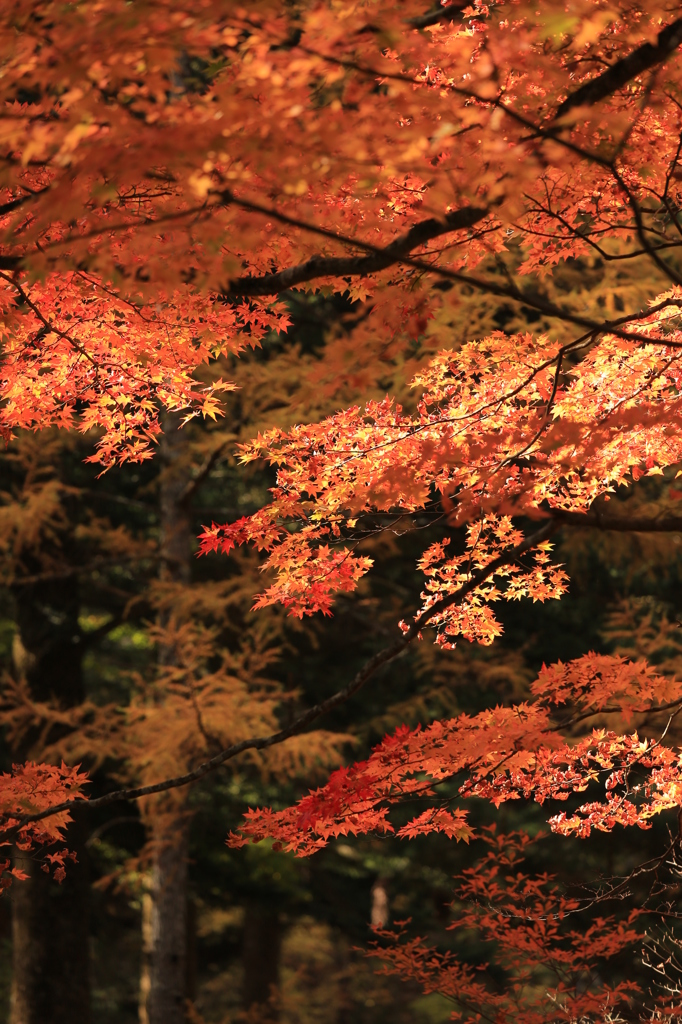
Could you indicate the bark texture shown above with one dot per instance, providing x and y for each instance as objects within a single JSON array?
[
  {"x": 168, "y": 990},
  {"x": 51, "y": 968}
]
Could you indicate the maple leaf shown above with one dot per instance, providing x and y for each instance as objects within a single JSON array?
[{"x": 32, "y": 788}]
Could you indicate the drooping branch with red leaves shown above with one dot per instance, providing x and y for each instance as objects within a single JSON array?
[
  {"x": 526, "y": 751},
  {"x": 539, "y": 965}
]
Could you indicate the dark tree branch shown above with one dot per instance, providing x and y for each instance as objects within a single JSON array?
[
  {"x": 668, "y": 270},
  {"x": 356, "y": 266},
  {"x": 14, "y": 204},
  {"x": 377, "y": 661},
  {"x": 596, "y": 519},
  {"x": 453, "y": 12},
  {"x": 278, "y": 282},
  {"x": 195, "y": 483},
  {"x": 623, "y": 71}
]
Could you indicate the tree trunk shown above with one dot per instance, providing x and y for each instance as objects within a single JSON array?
[
  {"x": 262, "y": 945},
  {"x": 176, "y": 523},
  {"x": 51, "y": 977},
  {"x": 164, "y": 979},
  {"x": 168, "y": 974},
  {"x": 50, "y": 922}
]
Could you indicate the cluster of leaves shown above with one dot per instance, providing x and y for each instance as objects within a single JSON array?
[
  {"x": 78, "y": 352},
  {"x": 132, "y": 185},
  {"x": 495, "y": 429},
  {"x": 540, "y": 968},
  {"x": 29, "y": 789},
  {"x": 504, "y": 753}
]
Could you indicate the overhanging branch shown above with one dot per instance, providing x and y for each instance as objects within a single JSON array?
[
  {"x": 355, "y": 266},
  {"x": 645, "y": 57},
  {"x": 248, "y": 285}
]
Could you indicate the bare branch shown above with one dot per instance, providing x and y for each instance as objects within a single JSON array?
[{"x": 195, "y": 483}]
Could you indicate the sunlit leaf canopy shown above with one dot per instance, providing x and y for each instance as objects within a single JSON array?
[{"x": 169, "y": 172}]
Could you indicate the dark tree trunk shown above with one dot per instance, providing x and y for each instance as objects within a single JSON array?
[
  {"x": 262, "y": 945},
  {"x": 51, "y": 978},
  {"x": 50, "y": 922},
  {"x": 164, "y": 979},
  {"x": 172, "y": 981}
]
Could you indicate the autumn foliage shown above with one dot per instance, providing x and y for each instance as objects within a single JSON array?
[
  {"x": 538, "y": 949},
  {"x": 504, "y": 754},
  {"x": 169, "y": 176},
  {"x": 29, "y": 788}
]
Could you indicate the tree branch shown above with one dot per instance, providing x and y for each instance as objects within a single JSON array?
[
  {"x": 381, "y": 658},
  {"x": 377, "y": 661},
  {"x": 356, "y": 266},
  {"x": 619, "y": 524},
  {"x": 619, "y": 74},
  {"x": 453, "y": 12},
  {"x": 195, "y": 483},
  {"x": 279, "y": 281},
  {"x": 646, "y": 56},
  {"x": 14, "y": 204}
]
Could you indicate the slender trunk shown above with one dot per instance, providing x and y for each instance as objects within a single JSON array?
[
  {"x": 146, "y": 966},
  {"x": 169, "y": 947},
  {"x": 262, "y": 945},
  {"x": 50, "y": 922},
  {"x": 176, "y": 523},
  {"x": 163, "y": 984},
  {"x": 168, "y": 976}
]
